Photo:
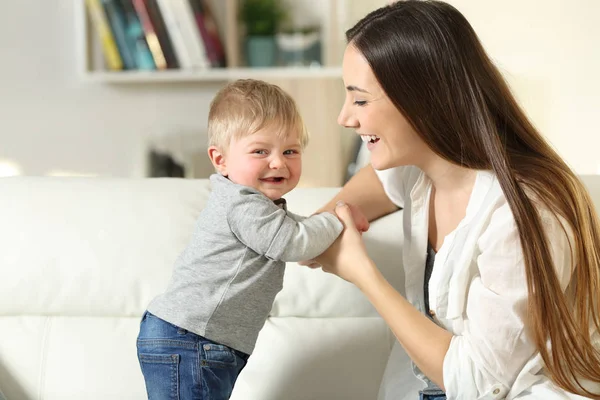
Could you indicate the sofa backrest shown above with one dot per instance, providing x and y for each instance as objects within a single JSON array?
[{"x": 105, "y": 247}]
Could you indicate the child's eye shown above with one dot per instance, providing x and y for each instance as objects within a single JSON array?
[
  {"x": 360, "y": 103},
  {"x": 290, "y": 152},
  {"x": 261, "y": 152}
]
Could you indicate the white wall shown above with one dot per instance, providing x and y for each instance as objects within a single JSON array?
[
  {"x": 50, "y": 121},
  {"x": 550, "y": 52}
]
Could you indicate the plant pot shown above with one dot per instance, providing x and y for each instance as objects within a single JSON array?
[
  {"x": 299, "y": 49},
  {"x": 261, "y": 51}
]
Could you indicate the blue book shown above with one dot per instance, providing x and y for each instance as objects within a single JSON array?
[
  {"x": 116, "y": 20},
  {"x": 136, "y": 40}
]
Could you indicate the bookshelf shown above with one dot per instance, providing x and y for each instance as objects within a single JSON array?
[
  {"x": 318, "y": 91},
  {"x": 91, "y": 66}
]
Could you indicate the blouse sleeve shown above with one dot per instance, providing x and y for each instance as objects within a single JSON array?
[{"x": 484, "y": 361}]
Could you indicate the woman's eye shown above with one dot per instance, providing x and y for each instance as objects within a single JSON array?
[{"x": 360, "y": 102}]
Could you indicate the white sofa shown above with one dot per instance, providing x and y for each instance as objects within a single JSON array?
[{"x": 80, "y": 259}]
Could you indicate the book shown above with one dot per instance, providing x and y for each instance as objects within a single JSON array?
[
  {"x": 162, "y": 34},
  {"x": 109, "y": 46},
  {"x": 174, "y": 32},
  {"x": 181, "y": 24},
  {"x": 116, "y": 20},
  {"x": 209, "y": 32},
  {"x": 136, "y": 39},
  {"x": 141, "y": 9}
]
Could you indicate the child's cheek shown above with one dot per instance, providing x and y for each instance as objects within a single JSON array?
[{"x": 255, "y": 168}]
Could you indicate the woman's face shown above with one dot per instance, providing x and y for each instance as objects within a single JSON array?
[{"x": 368, "y": 110}]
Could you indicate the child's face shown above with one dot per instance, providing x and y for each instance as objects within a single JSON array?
[{"x": 265, "y": 162}]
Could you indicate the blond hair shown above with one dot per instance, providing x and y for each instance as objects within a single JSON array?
[{"x": 246, "y": 106}]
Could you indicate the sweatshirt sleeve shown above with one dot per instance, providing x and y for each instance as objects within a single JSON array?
[
  {"x": 269, "y": 230},
  {"x": 296, "y": 217}
]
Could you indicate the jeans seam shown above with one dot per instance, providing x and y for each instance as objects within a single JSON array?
[
  {"x": 175, "y": 378},
  {"x": 176, "y": 343}
]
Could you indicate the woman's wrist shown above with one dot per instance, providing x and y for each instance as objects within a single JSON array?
[{"x": 371, "y": 278}]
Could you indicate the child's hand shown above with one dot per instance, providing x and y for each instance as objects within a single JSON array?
[{"x": 361, "y": 222}]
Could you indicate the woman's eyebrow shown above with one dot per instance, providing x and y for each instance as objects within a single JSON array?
[{"x": 353, "y": 88}]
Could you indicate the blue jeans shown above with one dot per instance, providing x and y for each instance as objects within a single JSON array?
[{"x": 180, "y": 365}]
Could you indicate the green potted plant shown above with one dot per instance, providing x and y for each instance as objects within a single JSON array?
[{"x": 262, "y": 20}]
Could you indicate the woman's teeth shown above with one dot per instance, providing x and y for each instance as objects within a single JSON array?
[{"x": 369, "y": 138}]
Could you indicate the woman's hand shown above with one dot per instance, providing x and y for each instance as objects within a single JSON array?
[
  {"x": 360, "y": 220},
  {"x": 347, "y": 257}
]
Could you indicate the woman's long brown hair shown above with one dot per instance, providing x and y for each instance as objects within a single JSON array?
[{"x": 428, "y": 59}]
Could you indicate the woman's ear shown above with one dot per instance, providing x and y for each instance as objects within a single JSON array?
[{"x": 217, "y": 157}]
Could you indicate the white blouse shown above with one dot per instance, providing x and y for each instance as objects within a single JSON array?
[{"x": 478, "y": 289}]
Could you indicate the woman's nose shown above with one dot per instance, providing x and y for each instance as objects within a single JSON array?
[{"x": 346, "y": 119}]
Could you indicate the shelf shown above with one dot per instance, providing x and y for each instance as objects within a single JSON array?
[
  {"x": 212, "y": 75},
  {"x": 91, "y": 66}
]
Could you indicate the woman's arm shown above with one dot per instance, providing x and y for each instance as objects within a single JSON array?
[
  {"x": 485, "y": 359},
  {"x": 365, "y": 191},
  {"x": 425, "y": 342}
]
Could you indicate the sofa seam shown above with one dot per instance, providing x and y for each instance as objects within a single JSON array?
[{"x": 44, "y": 358}]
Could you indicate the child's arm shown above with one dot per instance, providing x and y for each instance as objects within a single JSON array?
[
  {"x": 296, "y": 217},
  {"x": 360, "y": 220},
  {"x": 270, "y": 231}
]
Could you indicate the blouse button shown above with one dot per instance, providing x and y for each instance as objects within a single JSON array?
[{"x": 496, "y": 391}]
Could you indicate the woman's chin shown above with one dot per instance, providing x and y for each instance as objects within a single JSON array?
[{"x": 381, "y": 165}]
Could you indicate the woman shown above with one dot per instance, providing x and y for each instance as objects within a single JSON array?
[{"x": 510, "y": 307}]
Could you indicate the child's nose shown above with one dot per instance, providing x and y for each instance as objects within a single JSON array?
[{"x": 278, "y": 162}]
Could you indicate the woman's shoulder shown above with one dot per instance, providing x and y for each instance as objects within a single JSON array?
[
  {"x": 398, "y": 182},
  {"x": 500, "y": 234},
  {"x": 500, "y": 213},
  {"x": 401, "y": 175}
]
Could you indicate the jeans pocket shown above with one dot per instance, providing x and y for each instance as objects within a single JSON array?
[
  {"x": 218, "y": 356},
  {"x": 161, "y": 374},
  {"x": 220, "y": 368}
]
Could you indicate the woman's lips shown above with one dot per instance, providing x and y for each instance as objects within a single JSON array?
[{"x": 371, "y": 145}]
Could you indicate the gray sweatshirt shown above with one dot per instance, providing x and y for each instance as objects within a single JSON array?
[{"x": 225, "y": 281}]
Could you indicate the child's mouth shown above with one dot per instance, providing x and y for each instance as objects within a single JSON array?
[{"x": 273, "y": 180}]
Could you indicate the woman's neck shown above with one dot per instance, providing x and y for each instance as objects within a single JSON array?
[{"x": 448, "y": 177}]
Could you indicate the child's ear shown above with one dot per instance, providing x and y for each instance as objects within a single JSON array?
[{"x": 218, "y": 160}]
